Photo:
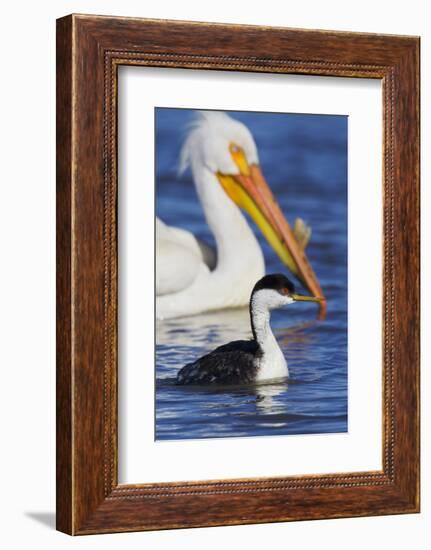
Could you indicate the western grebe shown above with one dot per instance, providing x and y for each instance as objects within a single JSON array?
[{"x": 249, "y": 361}]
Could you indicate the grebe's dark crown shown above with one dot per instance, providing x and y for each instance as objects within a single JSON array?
[{"x": 275, "y": 281}]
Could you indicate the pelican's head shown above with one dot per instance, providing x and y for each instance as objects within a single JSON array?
[{"x": 226, "y": 147}]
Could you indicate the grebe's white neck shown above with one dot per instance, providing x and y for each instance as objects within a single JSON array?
[{"x": 272, "y": 363}]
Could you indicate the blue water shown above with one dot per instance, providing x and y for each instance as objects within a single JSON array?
[{"x": 304, "y": 159}]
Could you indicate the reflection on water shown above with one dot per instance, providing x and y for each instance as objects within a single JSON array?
[
  {"x": 217, "y": 326},
  {"x": 309, "y": 180}
]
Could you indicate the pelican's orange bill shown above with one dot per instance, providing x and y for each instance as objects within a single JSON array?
[{"x": 251, "y": 191}]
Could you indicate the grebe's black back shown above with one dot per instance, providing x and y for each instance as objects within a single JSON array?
[{"x": 249, "y": 361}]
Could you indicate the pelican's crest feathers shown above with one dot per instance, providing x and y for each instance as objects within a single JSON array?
[{"x": 214, "y": 124}]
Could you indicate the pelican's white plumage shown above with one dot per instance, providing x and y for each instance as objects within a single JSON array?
[
  {"x": 188, "y": 281},
  {"x": 180, "y": 256},
  {"x": 190, "y": 277}
]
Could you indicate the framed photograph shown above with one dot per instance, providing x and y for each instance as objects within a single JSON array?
[{"x": 237, "y": 274}]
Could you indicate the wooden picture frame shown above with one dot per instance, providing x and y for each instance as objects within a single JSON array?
[{"x": 89, "y": 51}]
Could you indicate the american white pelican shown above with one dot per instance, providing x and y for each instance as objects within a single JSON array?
[
  {"x": 190, "y": 277},
  {"x": 249, "y": 361}
]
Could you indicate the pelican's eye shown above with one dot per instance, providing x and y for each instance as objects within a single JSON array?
[{"x": 239, "y": 158}]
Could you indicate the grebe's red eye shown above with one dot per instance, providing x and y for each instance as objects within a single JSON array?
[{"x": 285, "y": 291}]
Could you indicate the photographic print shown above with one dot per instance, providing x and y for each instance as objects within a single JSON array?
[
  {"x": 251, "y": 274},
  {"x": 223, "y": 304}
]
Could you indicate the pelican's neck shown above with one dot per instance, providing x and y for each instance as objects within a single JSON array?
[{"x": 234, "y": 238}]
